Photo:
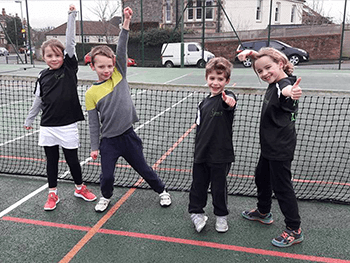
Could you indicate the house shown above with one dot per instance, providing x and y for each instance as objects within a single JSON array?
[
  {"x": 99, "y": 32},
  {"x": 231, "y": 14},
  {"x": 3, "y": 18},
  {"x": 21, "y": 39}
]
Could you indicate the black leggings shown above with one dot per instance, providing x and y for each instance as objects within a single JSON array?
[{"x": 71, "y": 155}]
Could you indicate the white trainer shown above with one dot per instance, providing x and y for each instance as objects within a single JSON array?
[
  {"x": 165, "y": 199},
  {"x": 221, "y": 224},
  {"x": 102, "y": 204},
  {"x": 199, "y": 221}
]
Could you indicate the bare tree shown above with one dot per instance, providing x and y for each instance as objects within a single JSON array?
[
  {"x": 105, "y": 10},
  {"x": 38, "y": 35},
  {"x": 316, "y": 14}
]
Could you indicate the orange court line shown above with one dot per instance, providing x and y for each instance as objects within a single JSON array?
[
  {"x": 257, "y": 251},
  {"x": 307, "y": 181},
  {"x": 109, "y": 214},
  {"x": 69, "y": 256},
  {"x": 174, "y": 146},
  {"x": 192, "y": 242}
]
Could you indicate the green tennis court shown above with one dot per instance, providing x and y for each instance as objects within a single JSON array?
[{"x": 136, "y": 228}]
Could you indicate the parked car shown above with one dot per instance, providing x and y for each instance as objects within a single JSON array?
[
  {"x": 87, "y": 60},
  {"x": 295, "y": 55},
  {"x": 3, "y": 51}
]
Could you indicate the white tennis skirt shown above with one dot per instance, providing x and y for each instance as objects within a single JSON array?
[{"x": 65, "y": 136}]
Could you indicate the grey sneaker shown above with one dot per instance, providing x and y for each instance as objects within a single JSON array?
[
  {"x": 199, "y": 221},
  {"x": 288, "y": 237},
  {"x": 165, "y": 199},
  {"x": 102, "y": 204},
  {"x": 221, "y": 224},
  {"x": 255, "y": 215}
]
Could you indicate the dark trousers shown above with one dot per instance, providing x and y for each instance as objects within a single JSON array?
[
  {"x": 129, "y": 146},
  {"x": 71, "y": 156},
  {"x": 276, "y": 176},
  {"x": 203, "y": 175}
]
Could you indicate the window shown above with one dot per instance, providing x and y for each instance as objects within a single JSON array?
[
  {"x": 293, "y": 13},
  {"x": 86, "y": 39},
  {"x": 199, "y": 10},
  {"x": 190, "y": 10},
  {"x": 101, "y": 39},
  {"x": 209, "y": 10},
  {"x": 258, "y": 45},
  {"x": 258, "y": 9},
  {"x": 277, "y": 13},
  {"x": 192, "y": 47},
  {"x": 195, "y": 10},
  {"x": 276, "y": 45},
  {"x": 168, "y": 11}
]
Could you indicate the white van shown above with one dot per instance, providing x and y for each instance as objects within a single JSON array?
[{"x": 192, "y": 55}]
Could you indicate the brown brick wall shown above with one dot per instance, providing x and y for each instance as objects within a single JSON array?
[{"x": 321, "y": 47}]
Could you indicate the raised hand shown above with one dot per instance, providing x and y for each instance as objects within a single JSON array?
[
  {"x": 296, "y": 90},
  {"x": 128, "y": 12},
  {"x": 72, "y": 8},
  {"x": 230, "y": 101},
  {"x": 246, "y": 53}
]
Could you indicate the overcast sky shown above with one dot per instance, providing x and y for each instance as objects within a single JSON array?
[{"x": 44, "y": 13}]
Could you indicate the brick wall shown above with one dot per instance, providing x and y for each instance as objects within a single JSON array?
[
  {"x": 346, "y": 44},
  {"x": 321, "y": 47}
]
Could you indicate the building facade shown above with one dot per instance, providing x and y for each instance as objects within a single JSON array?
[{"x": 219, "y": 15}]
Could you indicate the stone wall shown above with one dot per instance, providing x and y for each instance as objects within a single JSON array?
[{"x": 152, "y": 10}]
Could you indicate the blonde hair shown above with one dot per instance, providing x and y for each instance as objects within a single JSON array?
[
  {"x": 276, "y": 56},
  {"x": 56, "y": 46},
  {"x": 102, "y": 50},
  {"x": 220, "y": 65}
]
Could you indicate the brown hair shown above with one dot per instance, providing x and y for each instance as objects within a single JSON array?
[
  {"x": 220, "y": 65},
  {"x": 102, "y": 50},
  {"x": 54, "y": 44},
  {"x": 276, "y": 56}
]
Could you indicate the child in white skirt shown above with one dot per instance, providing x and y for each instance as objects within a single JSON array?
[{"x": 56, "y": 95}]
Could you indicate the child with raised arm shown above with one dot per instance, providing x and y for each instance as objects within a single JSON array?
[
  {"x": 213, "y": 153},
  {"x": 111, "y": 117},
  {"x": 277, "y": 142},
  {"x": 56, "y": 95}
]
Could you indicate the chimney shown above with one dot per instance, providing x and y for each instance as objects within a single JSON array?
[{"x": 3, "y": 12}]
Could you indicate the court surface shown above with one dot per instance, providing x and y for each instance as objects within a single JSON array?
[{"x": 137, "y": 229}]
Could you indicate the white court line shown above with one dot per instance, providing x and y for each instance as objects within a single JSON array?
[
  {"x": 16, "y": 102},
  {"x": 18, "y": 138},
  {"x": 26, "y": 198},
  {"x": 168, "y": 109},
  {"x": 177, "y": 78},
  {"x": 42, "y": 188}
]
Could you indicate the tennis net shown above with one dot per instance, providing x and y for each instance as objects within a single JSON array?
[{"x": 167, "y": 113}]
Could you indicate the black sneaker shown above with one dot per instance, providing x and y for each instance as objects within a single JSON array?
[
  {"x": 255, "y": 215},
  {"x": 288, "y": 237}
]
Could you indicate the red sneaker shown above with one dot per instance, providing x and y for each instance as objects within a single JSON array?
[
  {"x": 51, "y": 202},
  {"x": 85, "y": 194}
]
